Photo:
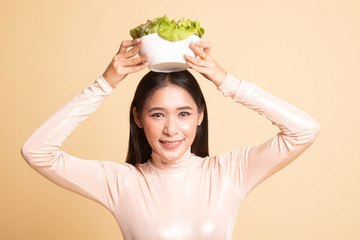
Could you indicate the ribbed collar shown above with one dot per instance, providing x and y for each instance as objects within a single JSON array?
[{"x": 177, "y": 166}]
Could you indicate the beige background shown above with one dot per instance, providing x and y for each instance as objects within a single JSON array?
[{"x": 305, "y": 52}]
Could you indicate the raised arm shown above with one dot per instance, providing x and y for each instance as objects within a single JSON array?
[
  {"x": 97, "y": 180},
  {"x": 252, "y": 165},
  {"x": 249, "y": 166}
]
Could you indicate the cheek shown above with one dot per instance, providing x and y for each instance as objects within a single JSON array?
[
  {"x": 152, "y": 129},
  {"x": 189, "y": 127}
]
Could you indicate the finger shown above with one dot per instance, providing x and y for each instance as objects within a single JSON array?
[
  {"x": 128, "y": 43},
  {"x": 196, "y": 67},
  {"x": 136, "y": 68},
  {"x": 196, "y": 61},
  {"x": 205, "y": 45},
  {"x": 135, "y": 61},
  {"x": 198, "y": 51},
  {"x": 135, "y": 50}
]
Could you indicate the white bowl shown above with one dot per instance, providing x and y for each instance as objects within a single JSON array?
[{"x": 165, "y": 55}]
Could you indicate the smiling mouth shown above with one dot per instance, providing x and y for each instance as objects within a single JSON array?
[{"x": 172, "y": 144}]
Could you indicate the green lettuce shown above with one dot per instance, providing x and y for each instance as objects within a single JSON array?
[{"x": 168, "y": 29}]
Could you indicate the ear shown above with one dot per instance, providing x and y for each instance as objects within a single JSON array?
[
  {"x": 201, "y": 117},
  {"x": 136, "y": 118}
]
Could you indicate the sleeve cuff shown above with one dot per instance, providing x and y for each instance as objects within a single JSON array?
[
  {"x": 105, "y": 86},
  {"x": 230, "y": 85}
]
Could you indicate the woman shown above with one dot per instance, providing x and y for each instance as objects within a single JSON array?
[{"x": 170, "y": 188}]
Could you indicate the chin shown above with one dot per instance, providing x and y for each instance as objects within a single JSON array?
[{"x": 172, "y": 155}]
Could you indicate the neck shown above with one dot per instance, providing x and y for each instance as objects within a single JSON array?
[{"x": 165, "y": 165}]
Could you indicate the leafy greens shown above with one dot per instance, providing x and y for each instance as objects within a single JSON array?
[{"x": 168, "y": 29}]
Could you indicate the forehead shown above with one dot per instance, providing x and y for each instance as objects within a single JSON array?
[{"x": 171, "y": 96}]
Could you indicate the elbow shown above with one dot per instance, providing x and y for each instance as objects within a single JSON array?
[
  {"x": 26, "y": 153},
  {"x": 312, "y": 132},
  {"x": 33, "y": 155},
  {"x": 315, "y": 130},
  {"x": 39, "y": 156}
]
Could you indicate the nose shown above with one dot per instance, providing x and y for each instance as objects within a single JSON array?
[{"x": 171, "y": 127}]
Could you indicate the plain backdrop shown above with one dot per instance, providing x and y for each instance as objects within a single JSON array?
[{"x": 305, "y": 52}]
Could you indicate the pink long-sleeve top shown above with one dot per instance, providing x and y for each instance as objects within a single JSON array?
[{"x": 198, "y": 199}]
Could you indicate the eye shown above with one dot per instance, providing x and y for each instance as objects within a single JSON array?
[
  {"x": 157, "y": 115},
  {"x": 184, "y": 114}
]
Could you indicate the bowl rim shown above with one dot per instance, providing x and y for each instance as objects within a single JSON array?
[{"x": 158, "y": 35}]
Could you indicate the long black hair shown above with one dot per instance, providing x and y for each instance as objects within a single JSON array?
[{"x": 139, "y": 149}]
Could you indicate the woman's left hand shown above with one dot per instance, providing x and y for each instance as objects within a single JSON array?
[{"x": 204, "y": 63}]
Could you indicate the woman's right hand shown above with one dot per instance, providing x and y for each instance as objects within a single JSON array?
[{"x": 124, "y": 62}]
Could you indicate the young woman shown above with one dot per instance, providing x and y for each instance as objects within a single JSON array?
[{"x": 169, "y": 188}]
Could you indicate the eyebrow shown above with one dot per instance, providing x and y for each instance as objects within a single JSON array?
[{"x": 163, "y": 109}]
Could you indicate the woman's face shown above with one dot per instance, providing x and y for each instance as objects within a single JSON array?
[{"x": 169, "y": 119}]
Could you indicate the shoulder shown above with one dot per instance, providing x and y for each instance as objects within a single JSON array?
[
  {"x": 235, "y": 153},
  {"x": 111, "y": 167},
  {"x": 223, "y": 160}
]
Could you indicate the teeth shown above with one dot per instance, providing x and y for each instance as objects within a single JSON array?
[{"x": 171, "y": 143}]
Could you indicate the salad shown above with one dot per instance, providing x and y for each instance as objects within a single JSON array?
[{"x": 168, "y": 29}]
